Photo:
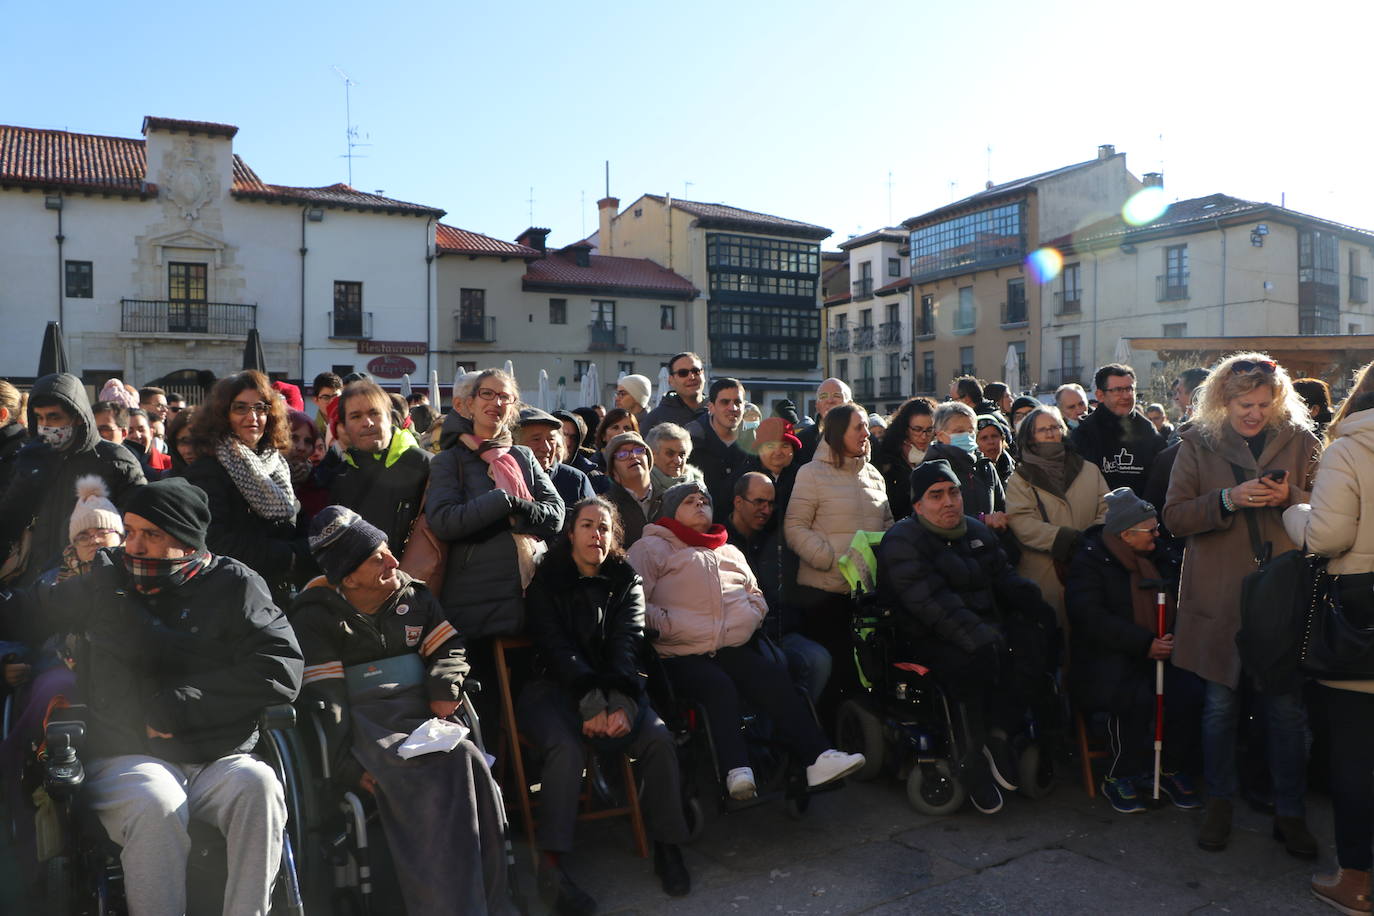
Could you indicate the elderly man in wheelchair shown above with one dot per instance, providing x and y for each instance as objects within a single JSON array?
[{"x": 178, "y": 653}]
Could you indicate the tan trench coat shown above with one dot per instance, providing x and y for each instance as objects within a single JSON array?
[{"x": 1218, "y": 554}]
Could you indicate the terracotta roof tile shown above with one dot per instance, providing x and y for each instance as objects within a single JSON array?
[
  {"x": 334, "y": 195},
  {"x": 59, "y": 160},
  {"x": 626, "y": 276},
  {"x": 896, "y": 286},
  {"x": 721, "y": 216},
  {"x": 209, "y": 128},
  {"x": 460, "y": 241}
]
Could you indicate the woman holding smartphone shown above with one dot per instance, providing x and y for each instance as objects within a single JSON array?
[{"x": 1248, "y": 455}]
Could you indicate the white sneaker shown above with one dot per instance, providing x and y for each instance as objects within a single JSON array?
[
  {"x": 832, "y": 765},
  {"x": 739, "y": 782}
]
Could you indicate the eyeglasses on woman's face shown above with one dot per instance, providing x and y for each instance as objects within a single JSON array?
[
  {"x": 500, "y": 397},
  {"x": 243, "y": 408},
  {"x": 96, "y": 536}
]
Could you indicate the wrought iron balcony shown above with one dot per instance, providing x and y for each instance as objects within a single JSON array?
[
  {"x": 164, "y": 316},
  {"x": 839, "y": 340},
  {"x": 925, "y": 327},
  {"x": 1359, "y": 289},
  {"x": 1056, "y": 377},
  {"x": 1171, "y": 287},
  {"x": 349, "y": 325},
  {"x": 890, "y": 334},
  {"x": 890, "y": 386},
  {"x": 1068, "y": 302},
  {"x": 925, "y": 382},
  {"x": 478, "y": 330},
  {"x": 862, "y": 288},
  {"x": 863, "y": 389},
  {"x": 1014, "y": 312},
  {"x": 863, "y": 337},
  {"x": 606, "y": 336}
]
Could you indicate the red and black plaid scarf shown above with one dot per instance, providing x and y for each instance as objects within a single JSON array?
[{"x": 152, "y": 576}]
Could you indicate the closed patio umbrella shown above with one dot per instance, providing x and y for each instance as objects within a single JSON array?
[
  {"x": 252, "y": 352},
  {"x": 53, "y": 355}
]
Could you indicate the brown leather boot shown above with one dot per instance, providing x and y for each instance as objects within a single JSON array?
[
  {"x": 1216, "y": 825},
  {"x": 1347, "y": 890},
  {"x": 1292, "y": 832}
]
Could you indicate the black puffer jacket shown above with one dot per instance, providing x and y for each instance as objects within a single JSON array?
[
  {"x": 720, "y": 463},
  {"x": 13, "y": 437},
  {"x": 588, "y": 631},
  {"x": 978, "y": 479},
  {"x": 385, "y": 490},
  {"x": 672, "y": 409},
  {"x": 335, "y": 635},
  {"x": 481, "y": 593},
  {"x": 199, "y": 661},
  {"x": 1107, "y": 647},
  {"x": 44, "y": 483},
  {"x": 1122, "y": 447},
  {"x": 961, "y": 592}
]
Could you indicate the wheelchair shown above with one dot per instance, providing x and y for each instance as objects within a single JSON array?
[
  {"x": 86, "y": 879},
  {"x": 779, "y": 775},
  {"x": 905, "y": 723}
]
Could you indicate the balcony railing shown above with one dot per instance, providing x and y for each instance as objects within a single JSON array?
[
  {"x": 925, "y": 327},
  {"x": 1359, "y": 289},
  {"x": 1171, "y": 287},
  {"x": 890, "y": 334},
  {"x": 839, "y": 340},
  {"x": 349, "y": 325},
  {"x": 925, "y": 382},
  {"x": 863, "y": 337},
  {"x": 1056, "y": 377},
  {"x": 890, "y": 386},
  {"x": 163, "y": 316},
  {"x": 863, "y": 390},
  {"x": 607, "y": 336},
  {"x": 862, "y": 288},
  {"x": 478, "y": 330},
  {"x": 1014, "y": 312},
  {"x": 1068, "y": 302}
]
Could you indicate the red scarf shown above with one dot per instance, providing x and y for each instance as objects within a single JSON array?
[{"x": 713, "y": 539}]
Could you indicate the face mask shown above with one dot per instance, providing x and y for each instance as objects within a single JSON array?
[
  {"x": 964, "y": 441},
  {"x": 914, "y": 455},
  {"x": 751, "y": 424},
  {"x": 59, "y": 437},
  {"x": 1073, "y": 424}
]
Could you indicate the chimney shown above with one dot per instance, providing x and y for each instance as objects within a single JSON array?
[
  {"x": 1106, "y": 151},
  {"x": 534, "y": 237},
  {"x": 1153, "y": 179},
  {"x": 607, "y": 208}
]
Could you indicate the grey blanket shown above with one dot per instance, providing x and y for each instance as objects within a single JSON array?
[{"x": 442, "y": 813}]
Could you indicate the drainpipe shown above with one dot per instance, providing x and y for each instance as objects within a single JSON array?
[
  {"x": 61, "y": 266},
  {"x": 304, "y": 250},
  {"x": 1216, "y": 221},
  {"x": 429, "y": 309}
]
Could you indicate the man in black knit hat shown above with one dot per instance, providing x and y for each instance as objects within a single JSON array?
[{"x": 180, "y": 651}]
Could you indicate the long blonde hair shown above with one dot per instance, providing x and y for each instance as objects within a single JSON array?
[
  {"x": 1363, "y": 384},
  {"x": 1225, "y": 382}
]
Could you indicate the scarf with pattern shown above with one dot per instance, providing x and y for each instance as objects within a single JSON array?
[
  {"x": 152, "y": 576},
  {"x": 263, "y": 480}
]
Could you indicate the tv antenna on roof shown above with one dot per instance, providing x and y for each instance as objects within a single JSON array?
[{"x": 351, "y": 133}]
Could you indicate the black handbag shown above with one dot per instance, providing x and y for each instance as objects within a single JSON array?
[{"x": 1338, "y": 642}]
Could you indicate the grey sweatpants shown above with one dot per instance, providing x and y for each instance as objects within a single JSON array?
[{"x": 145, "y": 805}]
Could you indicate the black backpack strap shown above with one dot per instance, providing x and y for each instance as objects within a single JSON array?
[{"x": 1260, "y": 549}]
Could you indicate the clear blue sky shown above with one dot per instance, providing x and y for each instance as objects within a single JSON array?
[{"x": 799, "y": 108}]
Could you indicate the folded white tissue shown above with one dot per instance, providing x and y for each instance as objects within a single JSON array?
[{"x": 432, "y": 737}]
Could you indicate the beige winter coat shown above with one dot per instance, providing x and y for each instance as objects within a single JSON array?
[
  {"x": 828, "y": 505},
  {"x": 1218, "y": 554},
  {"x": 699, "y": 600},
  {"x": 1077, "y": 509},
  {"x": 1339, "y": 522}
]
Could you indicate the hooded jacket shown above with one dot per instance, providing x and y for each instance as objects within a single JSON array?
[
  {"x": 199, "y": 661},
  {"x": 385, "y": 488},
  {"x": 43, "y": 488},
  {"x": 1123, "y": 448},
  {"x": 335, "y": 635}
]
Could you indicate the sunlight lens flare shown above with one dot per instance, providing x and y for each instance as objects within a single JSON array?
[
  {"x": 1145, "y": 206},
  {"x": 1045, "y": 264}
]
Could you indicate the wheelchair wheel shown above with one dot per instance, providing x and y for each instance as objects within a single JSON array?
[
  {"x": 933, "y": 788},
  {"x": 1036, "y": 772},
  {"x": 858, "y": 731}
]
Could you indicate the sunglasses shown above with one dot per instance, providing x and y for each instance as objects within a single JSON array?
[
  {"x": 687, "y": 373},
  {"x": 625, "y": 454},
  {"x": 1254, "y": 365}
]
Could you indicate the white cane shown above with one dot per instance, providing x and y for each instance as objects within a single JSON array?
[{"x": 1160, "y": 600}]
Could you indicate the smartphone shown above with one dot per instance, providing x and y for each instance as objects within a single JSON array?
[{"x": 1277, "y": 475}]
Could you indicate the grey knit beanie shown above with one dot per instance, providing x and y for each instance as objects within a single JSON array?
[
  {"x": 673, "y": 498},
  {"x": 1126, "y": 510}
]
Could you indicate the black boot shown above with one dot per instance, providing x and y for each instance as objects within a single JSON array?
[
  {"x": 1216, "y": 825},
  {"x": 671, "y": 870},
  {"x": 560, "y": 894},
  {"x": 1296, "y": 838}
]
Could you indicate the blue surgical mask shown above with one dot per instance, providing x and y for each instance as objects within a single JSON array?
[
  {"x": 964, "y": 441},
  {"x": 751, "y": 424},
  {"x": 1073, "y": 424}
]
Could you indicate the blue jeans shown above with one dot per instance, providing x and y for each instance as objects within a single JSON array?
[
  {"x": 1288, "y": 742},
  {"x": 808, "y": 662}
]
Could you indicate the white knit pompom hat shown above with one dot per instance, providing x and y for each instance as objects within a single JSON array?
[{"x": 93, "y": 508}]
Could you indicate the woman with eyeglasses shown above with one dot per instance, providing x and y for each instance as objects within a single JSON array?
[
  {"x": 180, "y": 441},
  {"x": 1248, "y": 455},
  {"x": 1339, "y": 523},
  {"x": 629, "y": 465},
  {"x": 617, "y": 420},
  {"x": 1052, "y": 498},
  {"x": 496, "y": 507},
  {"x": 242, "y": 436},
  {"x": 903, "y": 446}
]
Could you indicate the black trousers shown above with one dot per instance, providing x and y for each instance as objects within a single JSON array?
[
  {"x": 826, "y": 619},
  {"x": 1131, "y": 724},
  {"x": 1352, "y": 775},
  {"x": 718, "y": 681}
]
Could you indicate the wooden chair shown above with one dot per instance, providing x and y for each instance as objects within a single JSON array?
[
  {"x": 512, "y": 746},
  {"x": 1089, "y": 749}
]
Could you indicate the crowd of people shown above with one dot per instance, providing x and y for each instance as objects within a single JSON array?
[{"x": 179, "y": 567}]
